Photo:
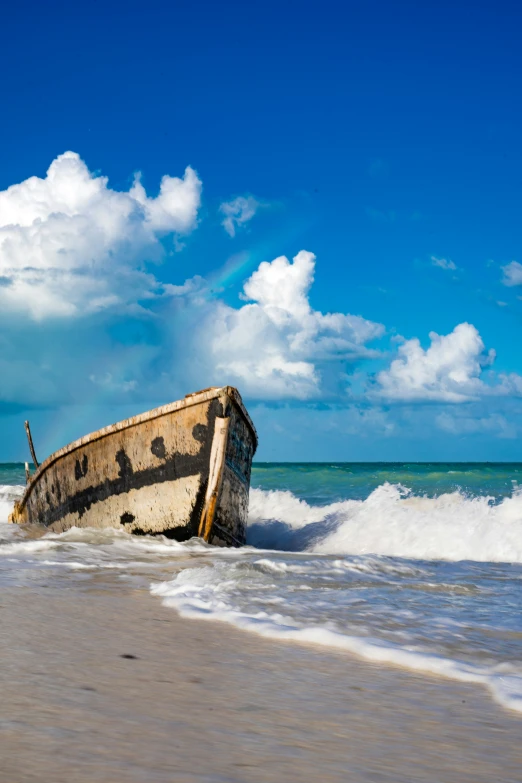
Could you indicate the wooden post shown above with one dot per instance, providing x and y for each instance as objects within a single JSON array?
[
  {"x": 215, "y": 477},
  {"x": 31, "y": 447},
  {"x": 27, "y": 473}
]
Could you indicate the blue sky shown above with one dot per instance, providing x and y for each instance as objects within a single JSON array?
[{"x": 382, "y": 138}]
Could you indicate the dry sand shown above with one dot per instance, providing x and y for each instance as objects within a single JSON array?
[{"x": 201, "y": 701}]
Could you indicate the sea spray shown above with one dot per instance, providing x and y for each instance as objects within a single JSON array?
[{"x": 391, "y": 521}]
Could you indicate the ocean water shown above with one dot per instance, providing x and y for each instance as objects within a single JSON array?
[{"x": 413, "y": 565}]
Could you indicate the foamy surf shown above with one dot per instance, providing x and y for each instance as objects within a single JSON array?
[
  {"x": 392, "y": 521},
  {"x": 297, "y": 602},
  {"x": 427, "y": 579}
]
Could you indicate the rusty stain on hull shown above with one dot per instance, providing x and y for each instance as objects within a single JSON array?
[{"x": 180, "y": 470}]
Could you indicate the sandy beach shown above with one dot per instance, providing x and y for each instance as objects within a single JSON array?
[{"x": 103, "y": 685}]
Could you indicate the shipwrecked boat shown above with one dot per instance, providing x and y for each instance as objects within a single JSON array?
[{"x": 180, "y": 470}]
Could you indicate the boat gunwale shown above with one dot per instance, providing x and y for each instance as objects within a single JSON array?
[{"x": 196, "y": 398}]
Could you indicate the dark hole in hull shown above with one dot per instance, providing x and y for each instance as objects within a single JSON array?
[{"x": 158, "y": 448}]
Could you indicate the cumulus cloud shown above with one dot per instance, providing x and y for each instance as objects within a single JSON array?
[
  {"x": 448, "y": 371},
  {"x": 512, "y": 274},
  {"x": 237, "y": 212},
  {"x": 274, "y": 346},
  {"x": 70, "y": 245},
  {"x": 443, "y": 263}
]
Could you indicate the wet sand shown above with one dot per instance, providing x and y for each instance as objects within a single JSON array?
[{"x": 103, "y": 684}]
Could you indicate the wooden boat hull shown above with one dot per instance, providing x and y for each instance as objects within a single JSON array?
[{"x": 181, "y": 470}]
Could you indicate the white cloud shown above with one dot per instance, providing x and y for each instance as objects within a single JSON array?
[
  {"x": 443, "y": 263},
  {"x": 494, "y": 424},
  {"x": 512, "y": 274},
  {"x": 448, "y": 371},
  {"x": 70, "y": 245},
  {"x": 237, "y": 212},
  {"x": 274, "y": 345},
  {"x": 510, "y": 384}
]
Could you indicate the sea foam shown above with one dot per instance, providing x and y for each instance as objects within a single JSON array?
[
  {"x": 391, "y": 521},
  {"x": 234, "y": 593},
  {"x": 426, "y": 583}
]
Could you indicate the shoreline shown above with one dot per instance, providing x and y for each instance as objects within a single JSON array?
[{"x": 100, "y": 682}]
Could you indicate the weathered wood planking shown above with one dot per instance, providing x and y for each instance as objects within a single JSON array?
[{"x": 181, "y": 470}]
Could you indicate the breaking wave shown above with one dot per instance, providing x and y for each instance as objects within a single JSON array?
[{"x": 393, "y": 522}]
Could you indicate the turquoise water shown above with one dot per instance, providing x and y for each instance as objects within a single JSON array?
[
  {"x": 12, "y": 473},
  {"x": 416, "y": 565},
  {"x": 323, "y": 483}
]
